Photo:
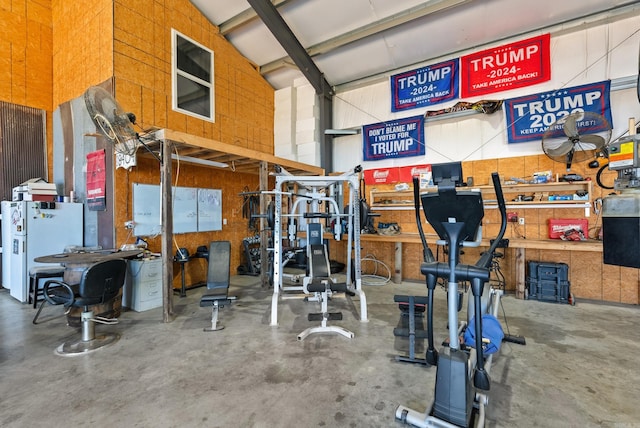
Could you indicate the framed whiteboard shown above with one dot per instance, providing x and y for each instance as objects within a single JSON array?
[
  {"x": 185, "y": 209},
  {"x": 193, "y": 209},
  {"x": 146, "y": 209},
  {"x": 209, "y": 209}
]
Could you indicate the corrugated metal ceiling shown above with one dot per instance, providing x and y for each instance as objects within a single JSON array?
[{"x": 354, "y": 40}]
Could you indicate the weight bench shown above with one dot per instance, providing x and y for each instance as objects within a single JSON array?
[
  {"x": 319, "y": 282},
  {"x": 217, "y": 281},
  {"x": 412, "y": 320}
]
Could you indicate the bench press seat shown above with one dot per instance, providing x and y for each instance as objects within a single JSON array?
[
  {"x": 216, "y": 294},
  {"x": 320, "y": 283},
  {"x": 218, "y": 274}
]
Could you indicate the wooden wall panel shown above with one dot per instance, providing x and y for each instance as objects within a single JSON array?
[
  {"x": 26, "y": 66},
  {"x": 244, "y": 111},
  {"x": 78, "y": 64},
  {"x": 148, "y": 172},
  {"x": 590, "y": 278}
]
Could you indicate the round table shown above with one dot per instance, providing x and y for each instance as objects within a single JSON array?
[
  {"x": 75, "y": 264},
  {"x": 87, "y": 258}
]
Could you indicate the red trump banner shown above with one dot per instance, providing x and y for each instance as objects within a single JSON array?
[{"x": 516, "y": 65}]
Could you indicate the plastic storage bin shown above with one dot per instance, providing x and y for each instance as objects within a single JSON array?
[{"x": 549, "y": 282}]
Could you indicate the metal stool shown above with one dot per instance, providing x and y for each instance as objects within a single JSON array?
[{"x": 37, "y": 273}]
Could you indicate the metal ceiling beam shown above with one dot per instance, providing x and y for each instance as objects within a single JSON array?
[
  {"x": 244, "y": 18},
  {"x": 411, "y": 14},
  {"x": 281, "y": 31},
  {"x": 583, "y": 22}
]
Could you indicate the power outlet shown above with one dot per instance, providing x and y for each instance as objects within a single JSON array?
[
  {"x": 512, "y": 217},
  {"x": 521, "y": 220}
]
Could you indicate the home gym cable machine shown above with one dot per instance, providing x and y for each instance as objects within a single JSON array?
[
  {"x": 314, "y": 192},
  {"x": 462, "y": 376}
]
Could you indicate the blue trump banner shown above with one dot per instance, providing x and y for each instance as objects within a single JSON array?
[
  {"x": 530, "y": 116},
  {"x": 425, "y": 86},
  {"x": 396, "y": 139}
]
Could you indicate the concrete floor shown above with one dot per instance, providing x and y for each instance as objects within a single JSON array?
[{"x": 578, "y": 369}]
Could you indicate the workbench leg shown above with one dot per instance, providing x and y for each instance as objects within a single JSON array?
[
  {"x": 520, "y": 273},
  {"x": 397, "y": 273},
  {"x": 183, "y": 288}
]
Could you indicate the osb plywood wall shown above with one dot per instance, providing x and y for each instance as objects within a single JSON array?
[
  {"x": 232, "y": 184},
  {"x": 26, "y": 40},
  {"x": 590, "y": 278},
  {"x": 244, "y": 101},
  {"x": 82, "y": 46},
  {"x": 130, "y": 42},
  {"x": 25, "y": 53}
]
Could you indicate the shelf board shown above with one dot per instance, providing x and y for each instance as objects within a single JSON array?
[{"x": 403, "y": 200}]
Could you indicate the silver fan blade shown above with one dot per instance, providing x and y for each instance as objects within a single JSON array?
[
  {"x": 561, "y": 150},
  {"x": 570, "y": 127},
  {"x": 596, "y": 141}
]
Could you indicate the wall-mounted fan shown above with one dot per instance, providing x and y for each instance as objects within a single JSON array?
[
  {"x": 112, "y": 121},
  {"x": 577, "y": 137}
]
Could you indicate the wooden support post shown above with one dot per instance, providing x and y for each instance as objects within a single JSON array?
[
  {"x": 167, "y": 232},
  {"x": 264, "y": 233},
  {"x": 397, "y": 272},
  {"x": 520, "y": 273}
]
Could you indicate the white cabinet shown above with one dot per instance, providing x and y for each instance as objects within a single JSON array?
[{"x": 143, "y": 285}]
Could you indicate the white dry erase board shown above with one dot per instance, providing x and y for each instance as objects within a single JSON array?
[
  {"x": 209, "y": 209},
  {"x": 193, "y": 209}
]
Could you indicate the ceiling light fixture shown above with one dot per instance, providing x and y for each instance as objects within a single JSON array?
[
  {"x": 341, "y": 131},
  {"x": 199, "y": 161}
]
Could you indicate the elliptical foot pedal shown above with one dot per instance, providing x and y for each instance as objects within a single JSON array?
[{"x": 518, "y": 340}]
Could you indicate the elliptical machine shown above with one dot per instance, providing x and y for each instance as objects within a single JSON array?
[{"x": 462, "y": 375}]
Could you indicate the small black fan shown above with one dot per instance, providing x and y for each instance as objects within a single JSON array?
[
  {"x": 111, "y": 120},
  {"x": 577, "y": 137}
]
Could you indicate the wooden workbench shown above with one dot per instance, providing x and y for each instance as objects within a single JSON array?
[{"x": 519, "y": 245}]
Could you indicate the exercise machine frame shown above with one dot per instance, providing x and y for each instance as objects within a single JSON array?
[
  {"x": 313, "y": 186},
  {"x": 462, "y": 376}
]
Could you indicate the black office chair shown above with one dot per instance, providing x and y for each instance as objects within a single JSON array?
[{"x": 99, "y": 284}]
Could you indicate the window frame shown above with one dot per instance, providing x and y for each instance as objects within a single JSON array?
[{"x": 175, "y": 72}]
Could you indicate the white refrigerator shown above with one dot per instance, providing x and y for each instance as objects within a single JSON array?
[{"x": 34, "y": 229}]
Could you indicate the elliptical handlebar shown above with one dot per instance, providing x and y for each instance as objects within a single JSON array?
[
  {"x": 485, "y": 260},
  {"x": 427, "y": 255}
]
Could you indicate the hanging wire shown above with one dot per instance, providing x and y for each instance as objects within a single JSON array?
[
  {"x": 374, "y": 278},
  {"x": 175, "y": 186}
]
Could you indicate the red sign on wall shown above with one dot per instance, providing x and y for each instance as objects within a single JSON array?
[
  {"x": 381, "y": 176},
  {"x": 96, "y": 181},
  {"x": 408, "y": 172},
  {"x": 516, "y": 65}
]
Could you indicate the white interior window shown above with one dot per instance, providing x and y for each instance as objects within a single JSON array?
[{"x": 192, "y": 77}]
